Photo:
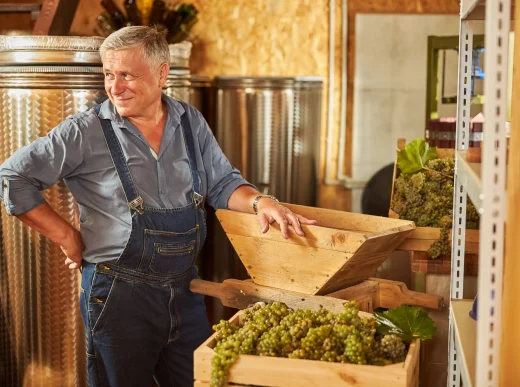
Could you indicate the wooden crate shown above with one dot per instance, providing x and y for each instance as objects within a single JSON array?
[
  {"x": 422, "y": 238},
  {"x": 342, "y": 250},
  {"x": 442, "y": 265},
  {"x": 284, "y": 372}
]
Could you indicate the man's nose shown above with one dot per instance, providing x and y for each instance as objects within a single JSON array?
[{"x": 117, "y": 86}]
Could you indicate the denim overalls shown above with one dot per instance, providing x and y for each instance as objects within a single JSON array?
[{"x": 141, "y": 319}]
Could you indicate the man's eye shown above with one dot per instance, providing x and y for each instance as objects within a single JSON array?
[{"x": 108, "y": 75}]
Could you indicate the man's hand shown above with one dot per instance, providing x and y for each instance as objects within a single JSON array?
[
  {"x": 47, "y": 222},
  {"x": 73, "y": 250},
  {"x": 270, "y": 211}
]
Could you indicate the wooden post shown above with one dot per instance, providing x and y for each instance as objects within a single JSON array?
[
  {"x": 56, "y": 17},
  {"x": 509, "y": 370}
]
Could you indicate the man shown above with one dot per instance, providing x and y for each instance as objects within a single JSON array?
[{"x": 140, "y": 166}]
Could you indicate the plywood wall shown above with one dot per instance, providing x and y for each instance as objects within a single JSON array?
[{"x": 284, "y": 37}]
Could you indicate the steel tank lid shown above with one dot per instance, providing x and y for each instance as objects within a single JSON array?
[
  {"x": 34, "y": 50},
  {"x": 71, "y": 50},
  {"x": 268, "y": 82}
]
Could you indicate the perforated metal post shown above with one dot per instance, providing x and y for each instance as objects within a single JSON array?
[
  {"x": 493, "y": 216},
  {"x": 459, "y": 194}
]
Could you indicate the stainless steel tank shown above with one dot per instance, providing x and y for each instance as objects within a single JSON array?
[
  {"x": 269, "y": 128},
  {"x": 44, "y": 79},
  {"x": 201, "y": 96},
  {"x": 194, "y": 89}
]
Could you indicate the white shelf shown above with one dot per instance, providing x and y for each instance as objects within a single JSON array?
[
  {"x": 465, "y": 330},
  {"x": 469, "y": 175},
  {"x": 476, "y": 9}
]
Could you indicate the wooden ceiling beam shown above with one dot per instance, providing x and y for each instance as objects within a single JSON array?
[{"x": 56, "y": 17}]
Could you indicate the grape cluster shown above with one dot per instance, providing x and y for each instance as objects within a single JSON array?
[
  {"x": 426, "y": 198},
  {"x": 276, "y": 330}
]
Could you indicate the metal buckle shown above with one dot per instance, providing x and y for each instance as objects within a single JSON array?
[
  {"x": 137, "y": 205},
  {"x": 197, "y": 199}
]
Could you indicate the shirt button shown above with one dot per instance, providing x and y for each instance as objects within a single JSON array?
[{"x": 162, "y": 191}]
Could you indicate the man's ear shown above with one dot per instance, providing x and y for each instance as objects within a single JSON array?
[{"x": 163, "y": 74}]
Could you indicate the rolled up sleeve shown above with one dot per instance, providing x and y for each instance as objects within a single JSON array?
[
  {"x": 223, "y": 179},
  {"x": 36, "y": 167}
]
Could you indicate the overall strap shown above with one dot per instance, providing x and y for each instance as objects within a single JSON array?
[
  {"x": 135, "y": 201},
  {"x": 190, "y": 150}
]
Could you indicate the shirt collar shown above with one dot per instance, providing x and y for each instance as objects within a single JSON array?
[{"x": 173, "y": 107}]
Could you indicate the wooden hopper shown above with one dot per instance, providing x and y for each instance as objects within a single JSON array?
[{"x": 342, "y": 250}]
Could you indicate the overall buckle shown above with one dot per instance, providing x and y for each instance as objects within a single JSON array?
[
  {"x": 197, "y": 199},
  {"x": 137, "y": 205}
]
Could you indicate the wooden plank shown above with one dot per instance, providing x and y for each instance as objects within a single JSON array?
[
  {"x": 243, "y": 224},
  {"x": 241, "y": 294},
  {"x": 433, "y": 233},
  {"x": 364, "y": 262},
  {"x": 348, "y": 220},
  {"x": 466, "y": 336},
  {"x": 366, "y": 294},
  {"x": 442, "y": 265},
  {"x": 17, "y": 7},
  {"x": 302, "y": 373},
  {"x": 369, "y": 294},
  {"x": 422, "y": 238},
  {"x": 56, "y": 17},
  {"x": 393, "y": 294},
  {"x": 509, "y": 370},
  {"x": 280, "y": 265},
  {"x": 354, "y": 272},
  {"x": 424, "y": 245},
  {"x": 412, "y": 364}
]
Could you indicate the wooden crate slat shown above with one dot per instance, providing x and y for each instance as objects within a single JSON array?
[
  {"x": 345, "y": 221},
  {"x": 283, "y": 266},
  {"x": 315, "y": 236}
]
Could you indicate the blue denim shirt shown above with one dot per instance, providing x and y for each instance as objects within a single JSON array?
[{"x": 76, "y": 152}]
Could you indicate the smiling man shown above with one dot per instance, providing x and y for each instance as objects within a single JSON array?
[{"x": 140, "y": 166}]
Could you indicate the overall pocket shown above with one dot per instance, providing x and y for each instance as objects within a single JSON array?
[
  {"x": 171, "y": 252},
  {"x": 101, "y": 294}
]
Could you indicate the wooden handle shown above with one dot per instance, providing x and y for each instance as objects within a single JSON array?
[
  {"x": 393, "y": 294},
  {"x": 372, "y": 293},
  {"x": 241, "y": 294}
]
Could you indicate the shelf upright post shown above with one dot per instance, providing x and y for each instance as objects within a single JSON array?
[
  {"x": 509, "y": 370},
  {"x": 493, "y": 211},
  {"x": 459, "y": 193}
]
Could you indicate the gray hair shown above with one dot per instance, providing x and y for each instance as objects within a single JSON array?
[{"x": 152, "y": 42}]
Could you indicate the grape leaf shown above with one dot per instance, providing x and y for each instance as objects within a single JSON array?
[
  {"x": 415, "y": 155},
  {"x": 407, "y": 322}
]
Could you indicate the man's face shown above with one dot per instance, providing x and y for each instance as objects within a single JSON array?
[{"x": 132, "y": 84}]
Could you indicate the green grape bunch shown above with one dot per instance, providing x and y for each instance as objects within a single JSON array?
[
  {"x": 426, "y": 198},
  {"x": 275, "y": 330}
]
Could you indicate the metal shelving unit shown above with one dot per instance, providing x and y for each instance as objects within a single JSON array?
[
  {"x": 469, "y": 175},
  {"x": 474, "y": 347}
]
